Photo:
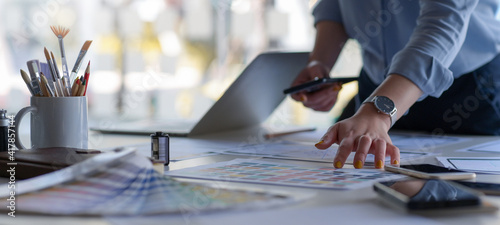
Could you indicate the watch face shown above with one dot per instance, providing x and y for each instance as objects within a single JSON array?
[{"x": 384, "y": 104}]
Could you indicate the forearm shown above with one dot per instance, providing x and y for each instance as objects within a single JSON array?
[{"x": 330, "y": 39}]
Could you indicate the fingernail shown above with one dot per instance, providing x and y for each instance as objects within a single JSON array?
[
  {"x": 338, "y": 165},
  {"x": 358, "y": 164},
  {"x": 302, "y": 98},
  {"x": 395, "y": 162},
  {"x": 320, "y": 142},
  {"x": 337, "y": 87},
  {"x": 379, "y": 164}
]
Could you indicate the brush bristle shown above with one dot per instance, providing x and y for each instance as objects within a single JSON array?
[
  {"x": 46, "y": 52},
  {"x": 59, "y": 31},
  {"x": 86, "y": 46}
]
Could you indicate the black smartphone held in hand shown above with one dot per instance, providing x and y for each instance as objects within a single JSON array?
[
  {"x": 427, "y": 195},
  {"x": 428, "y": 171},
  {"x": 316, "y": 84}
]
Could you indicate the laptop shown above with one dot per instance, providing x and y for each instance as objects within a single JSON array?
[{"x": 248, "y": 101}]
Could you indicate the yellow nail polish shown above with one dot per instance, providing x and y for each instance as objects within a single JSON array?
[
  {"x": 379, "y": 164},
  {"x": 338, "y": 165},
  {"x": 395, "y": 162},
  {"x": 358, "y": 164},
  {"x": 320, "y": 142}
]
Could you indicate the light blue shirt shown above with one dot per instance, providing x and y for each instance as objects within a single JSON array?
[{"x": 430, "y": 42}]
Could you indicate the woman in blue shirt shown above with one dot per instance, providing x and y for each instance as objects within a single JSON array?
[{"x": 429, "y": 65}]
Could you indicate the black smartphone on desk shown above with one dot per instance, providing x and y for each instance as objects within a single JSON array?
[
  {"x": 432, "y": 197},
  {"x": 429, "y": 171},
  {"x": 316, "y": 84},
  {"x": 427, "y": 194}
]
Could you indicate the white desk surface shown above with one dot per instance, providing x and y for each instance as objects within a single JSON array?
[{"x": 360, "y": 206}]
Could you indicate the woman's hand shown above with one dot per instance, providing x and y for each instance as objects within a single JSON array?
[
  {"x": 364, "y": 133},
  {"x": 323, "y": 99}
]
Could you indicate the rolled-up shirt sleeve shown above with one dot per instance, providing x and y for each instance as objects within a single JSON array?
[
  {"x": 328, "y": 10},
  {"x": 439, "y": 34}
]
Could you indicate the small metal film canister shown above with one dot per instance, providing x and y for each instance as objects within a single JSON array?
[
  {"x": 160, "y": 147},
  {"x": 4, "y": 131}
]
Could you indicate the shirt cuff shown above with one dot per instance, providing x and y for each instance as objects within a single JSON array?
[
  {"x": 327, "y": 10},
  {"x": 430, "y": 75}
]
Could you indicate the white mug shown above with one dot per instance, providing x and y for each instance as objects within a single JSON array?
[{"x": 56, "y": 122}]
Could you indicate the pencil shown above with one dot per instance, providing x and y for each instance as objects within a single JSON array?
[
  {"x": 87, "y": 76},
  {"x": 81, "y": 90},
  {"x": 74, "y": 88}
]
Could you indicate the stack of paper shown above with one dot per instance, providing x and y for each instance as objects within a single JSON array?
[{"x": 132, "y": 187}]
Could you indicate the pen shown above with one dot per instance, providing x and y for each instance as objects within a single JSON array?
[{"x": 279, "y": 134}]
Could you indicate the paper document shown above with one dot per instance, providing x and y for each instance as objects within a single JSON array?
[
  {"x": 300, "y": 151},
  {"x": 492, "y": 147},
  {"x": 490, "y": 165},
  {"x": 422, "y": 142}
]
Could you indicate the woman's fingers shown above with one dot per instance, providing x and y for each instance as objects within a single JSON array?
[
  {"x": 363, "y": 147},
  {"x": 328, "y": 139},
  {"x": 393, "y": 151},
  {"x": 379, "y": 146},
  {"x": 345, "y": 148}
]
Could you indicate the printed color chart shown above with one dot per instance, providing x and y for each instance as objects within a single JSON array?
[{"x": 254, "y": 171}]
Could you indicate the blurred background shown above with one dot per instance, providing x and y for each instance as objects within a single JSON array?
[{"x": 162, "y": 58}]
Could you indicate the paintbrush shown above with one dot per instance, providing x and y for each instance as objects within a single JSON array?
[
  {"x": 26, "y": 79},
  {"x": 47, "y": 89},
  {"x": 79, "y": 60},
  {"x": 64, "y": 90},
  {"x": 61, "y": 32},
  {"x": 43, "y": 85},
  {"x": 54, "y": 73}
]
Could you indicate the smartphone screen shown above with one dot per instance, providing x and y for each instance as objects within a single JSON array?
[
  {"x": 428, "y": 171},
  {"x": 316, "y": 84},
  {"x": 427, "y": 194},
  {"x": 429, "y": 168}
]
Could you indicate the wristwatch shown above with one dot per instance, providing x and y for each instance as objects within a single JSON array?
[{"x": 384, "y": 105}]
